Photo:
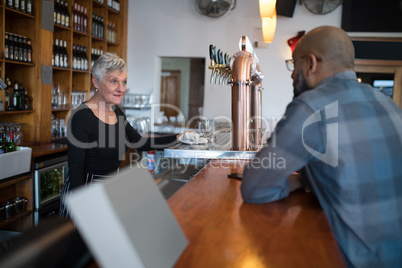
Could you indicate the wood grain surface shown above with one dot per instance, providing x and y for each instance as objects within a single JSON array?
[{"x": 223, "y": 231}]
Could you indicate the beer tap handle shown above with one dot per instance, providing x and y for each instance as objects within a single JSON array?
[
  {"x": 226, "y": 58},
  {"x": 212, "y": 56},
  {"x": 217, "y": 72},
  {"x": 211, "y": 52}
]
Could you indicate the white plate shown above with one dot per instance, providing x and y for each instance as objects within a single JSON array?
[{"x": 200, "y": 140}]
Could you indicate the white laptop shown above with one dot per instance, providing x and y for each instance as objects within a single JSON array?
[{"x": 126, "y": 222}]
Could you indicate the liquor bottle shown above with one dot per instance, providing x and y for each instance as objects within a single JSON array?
[
  {"x": 11, "y": 96},
  {"x": 85, "y": 59},
  {"x": 6, "y": 49},
  {"x": 109, "y": 3},
  {"x": 61, "y": 54},
  {"x": 22, "y": 97},
  {"x": 29, "y": 7},
  {"x": 102, "y": 28},
  {"x": 10, "y": 3},
  {"x": 62, "y": 13},
  {"x": 25, "y": 53},
  {"x": 11, "y": 46},
  {"x": 67, "y": 14},
  {"x": 65, "y": 54},
  {"x": 79, "y": 17},
  {"x": 29, "y": 50},
  {"x": 92, "y": 57},
  {"x": 22, "y": 5},
  {"x": 55, "y": 13},
  {"x": 27, "y": 100},
  {"x": 11, "y": 147},
  {"x": 82, "y": 18},
  {"x": 3, "y": 141},
  {"x": 74, "y": 58},
  {"x": 82, "y": 58},
  {"x": 16, "y": 48},
  {"x": 94, "y": 30},
  {"x": 75, "y": 17},
  {"x": 85, "y": 21},
  {"x": 79, "y": 59},
  {"x": 6, "y": 99},
  {"x": 56, "y": 62},
  {"x": 58, "y": 13},
  {"x": 17, "y": 4},
  {"x": 17, "y": 97},
  {"x": 116, "y": 5},
  {"x": 21, "y": 49}
]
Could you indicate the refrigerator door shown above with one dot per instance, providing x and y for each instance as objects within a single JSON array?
[{"x": 48, "y": 184}]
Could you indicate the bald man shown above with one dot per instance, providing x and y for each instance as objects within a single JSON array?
[{"x": 345, "y": 138}]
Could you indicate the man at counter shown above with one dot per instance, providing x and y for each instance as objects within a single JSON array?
[{"x": 346, "y": 139}]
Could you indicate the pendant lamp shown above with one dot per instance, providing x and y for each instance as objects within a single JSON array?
[
  {"x": 268, "y": 28},
  {"x": 267, "y": 8}
]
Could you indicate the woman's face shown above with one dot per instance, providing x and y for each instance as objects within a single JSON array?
[{"x": 112, "y": 87}]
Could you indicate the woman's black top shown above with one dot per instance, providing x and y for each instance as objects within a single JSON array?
[{"x": 97, "y": 148}]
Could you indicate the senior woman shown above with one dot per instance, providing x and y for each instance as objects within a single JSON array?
[{"x": 98, "y": 133}]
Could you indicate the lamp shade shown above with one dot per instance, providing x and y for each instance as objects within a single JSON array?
[
  {"x": 268, "y": 28},
  {"x": 267, "y": 8}
]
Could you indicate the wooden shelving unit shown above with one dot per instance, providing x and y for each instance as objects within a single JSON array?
[
  {"x": 36, "y": 124},
  {"x": 20, "y": 185}
]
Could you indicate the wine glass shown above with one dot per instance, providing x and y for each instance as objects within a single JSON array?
[
  {"x": 18, "y": 135},
  {"x": 206, "y": 128}
]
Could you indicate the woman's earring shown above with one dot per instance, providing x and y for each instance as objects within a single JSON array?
[{"x": 96, "y": 89}]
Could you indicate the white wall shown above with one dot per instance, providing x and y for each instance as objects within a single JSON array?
[{"x": 163, "y": 28}]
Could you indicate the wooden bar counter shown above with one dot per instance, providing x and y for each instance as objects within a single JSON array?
[{"x": 223, "y": 231}]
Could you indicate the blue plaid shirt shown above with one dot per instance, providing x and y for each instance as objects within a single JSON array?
[{"x": 346, "y": 137}]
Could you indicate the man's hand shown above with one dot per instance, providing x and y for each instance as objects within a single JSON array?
[{"x": 295, "y": 182}]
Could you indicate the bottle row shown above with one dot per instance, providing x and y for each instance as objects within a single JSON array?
[
  {"x": 10, "y": 136},
  {"x": 80, "y": 59},
  {"x": 114, "y": 4},
  {"x": 58, "y": 127},
  {"x": 60, "y": 56},
  {"x": 61, "y": 13},
  {"x": 80, "y": 18},
  {"x": 16, "y": 98},
  {"x": 111, "y": 32},
  {"x": 78, "y": 97},
  {"x": 17, "y": 48},
  {"x": 20, "y": 5},
  {"x": 59, "y": 98},
  {"x": 95, "y": 54},
  {"x": 98, "y": 27},
  {"x": 62, "y": 17}
]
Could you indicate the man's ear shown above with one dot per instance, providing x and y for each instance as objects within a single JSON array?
[{"x": 312, "y": 64}]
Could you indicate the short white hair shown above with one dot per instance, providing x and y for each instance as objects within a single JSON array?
[{"x": 107, "y": 63}]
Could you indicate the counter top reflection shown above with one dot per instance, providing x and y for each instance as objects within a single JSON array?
[
  {"x": 223, "y": 231},
  {"x": 219, "y": 148}
]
